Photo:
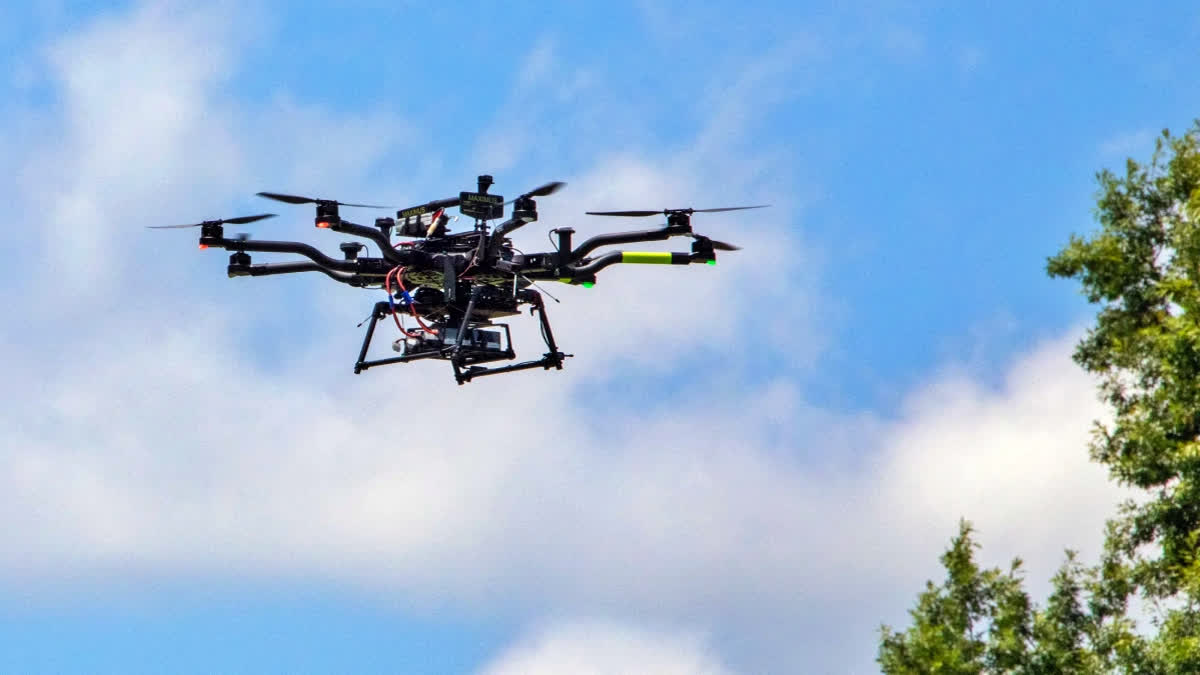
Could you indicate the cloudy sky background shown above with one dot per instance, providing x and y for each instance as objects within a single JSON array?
[{"x": 746, "y": 468}]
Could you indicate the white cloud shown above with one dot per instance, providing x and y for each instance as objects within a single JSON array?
[
  {"x": 538, "y": 66},
  {"x": 148, "y": 129},
  {"x": 1013, "y": 461},
  {"x": 599, "y": 648},
  {"x": 139, "y": 104},
  {"x": 651, "y": 316},
  {"x": 706, "y": 514},
  {"x": 549, "y": 116},
  {"x": 149, "y": 440}
]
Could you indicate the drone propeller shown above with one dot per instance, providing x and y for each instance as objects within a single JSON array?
[
  {"x": 241, "y": 220},
  {"x": 719, "y": 245},
  {"x": 541, "y": 191},
  {"x": 293, "y": 199},
  {"x": 667, "y": 212}
]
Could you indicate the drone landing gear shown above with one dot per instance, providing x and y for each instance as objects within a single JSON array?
[
  {"x": 465, "y": 345},
  {"x": 551, "y": 359},
  {"x": 381, "y": 310}
]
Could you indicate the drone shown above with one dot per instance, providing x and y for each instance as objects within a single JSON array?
[{"x": 454, "y": 286}]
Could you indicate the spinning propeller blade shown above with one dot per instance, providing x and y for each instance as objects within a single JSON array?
[
  {"x": 294, "y": 199},
  {"x": 726, "y": 208},
  {"x": 630, "y": 214},
  {"x": 667, "y": 212},
  {"x": 240, "y": 220},
  {"x": 719, "y": 245},
  {"x": 542, "y": 191},
  {"x": 243, "y": 220},
  {"x": 546, "y": 190}
]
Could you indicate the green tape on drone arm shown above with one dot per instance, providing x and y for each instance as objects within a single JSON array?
[{"x": 647, "y": 258}]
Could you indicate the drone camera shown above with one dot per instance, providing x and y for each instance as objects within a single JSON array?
[
  {"x": 475, "y": 339},
  {"x": 476, "y": 342},
  {"x": 409, "y": 346}
]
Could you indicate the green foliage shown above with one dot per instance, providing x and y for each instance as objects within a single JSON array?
[
  {"x": 1142, "y": 269},
  {"x": 982, "y": 621},
  {"x": 950, "y": 631}
]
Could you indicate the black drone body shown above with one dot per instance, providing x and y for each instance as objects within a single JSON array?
[{"x": 454, "y": 286}]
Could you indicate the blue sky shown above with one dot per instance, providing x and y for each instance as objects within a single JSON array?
[{"x": 746, "y": 468}]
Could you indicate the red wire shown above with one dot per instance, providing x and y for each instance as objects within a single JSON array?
[
  {"x": 387, "y": 280},
  {"x": 411, "y": 307}
]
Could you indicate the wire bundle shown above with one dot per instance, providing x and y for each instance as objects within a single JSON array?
[{"x": 398, "y": 272}]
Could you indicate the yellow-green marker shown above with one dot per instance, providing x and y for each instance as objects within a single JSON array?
[{"x": 655, "y": 258}]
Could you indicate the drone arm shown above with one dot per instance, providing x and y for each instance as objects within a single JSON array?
[
  {"x": 661, "y": 234},
  {"x": 282, "y": 247},
  {"x": 587, "y": 271},
  {"x": 266, "y": 269},
  {"x": 524, "y": 212},
  {"x": 385, "y": 246},
  {"x": 364, "y": 266},
  {"x": 497, "y": 236}
]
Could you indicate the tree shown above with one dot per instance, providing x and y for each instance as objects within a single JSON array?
[
  {"x": 1142, "y": 268},
  {"x": 982, "y": 621},
  {"x": 974, "y": 618}
]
